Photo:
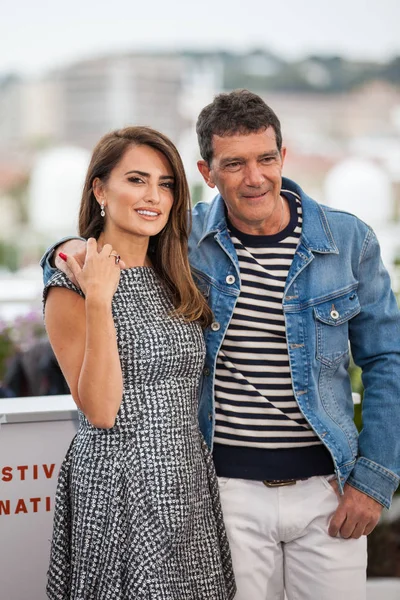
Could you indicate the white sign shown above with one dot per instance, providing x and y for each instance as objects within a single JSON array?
[{"x": 35, "y": 434}]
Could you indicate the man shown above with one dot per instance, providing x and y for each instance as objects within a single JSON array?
[{"x": 291, "y": 284}]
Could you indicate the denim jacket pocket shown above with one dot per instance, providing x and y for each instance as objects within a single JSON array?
[
  {"x": 201, "y": 282},
  {"x": 332, "y": 327}
]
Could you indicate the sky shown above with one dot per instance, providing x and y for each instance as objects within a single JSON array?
[{"x": 38, "y": 35}]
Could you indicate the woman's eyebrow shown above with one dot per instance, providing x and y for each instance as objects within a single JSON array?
[{"x": 144, "y": 174}]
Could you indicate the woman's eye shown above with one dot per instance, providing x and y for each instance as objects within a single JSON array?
[
  {"x": 135, "y": 179},
  {"x": 169, "y": 185}
]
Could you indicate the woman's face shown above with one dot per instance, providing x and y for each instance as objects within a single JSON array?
[{"x": 139, "y": 192}]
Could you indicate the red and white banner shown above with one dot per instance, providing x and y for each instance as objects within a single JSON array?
[{"x": 35, "y": 434}]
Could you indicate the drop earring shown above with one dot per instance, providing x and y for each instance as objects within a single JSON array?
[{"x": 102, "y": 212}]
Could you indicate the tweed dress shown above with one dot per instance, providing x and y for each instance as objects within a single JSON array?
[{"x": 137, "y": 512}]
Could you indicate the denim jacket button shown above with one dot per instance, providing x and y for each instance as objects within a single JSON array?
[
  {"x": 334, "y": 314},
  {"x": 230, "y": 279},
  {"x": 215, "y": 326},
  {"x": 206, "y": 371}
]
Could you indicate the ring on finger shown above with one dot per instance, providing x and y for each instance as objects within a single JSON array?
[{"x": 116, "y": 256}]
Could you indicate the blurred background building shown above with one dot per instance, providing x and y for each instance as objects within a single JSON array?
[{"x": 333, "y": 111}]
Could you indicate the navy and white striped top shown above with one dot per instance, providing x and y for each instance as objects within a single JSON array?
[{"x": 255, "y": 405}]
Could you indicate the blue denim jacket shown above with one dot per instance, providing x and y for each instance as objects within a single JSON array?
[{"x": 337, "y": 291}]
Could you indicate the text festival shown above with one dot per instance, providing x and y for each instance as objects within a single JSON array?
[{"x": 25, "y": 473}]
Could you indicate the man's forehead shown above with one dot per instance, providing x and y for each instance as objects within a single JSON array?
[{"x": 244, "y": 142}]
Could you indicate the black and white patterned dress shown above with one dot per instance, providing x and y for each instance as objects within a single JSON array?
[{"x": 137, "y": 512}]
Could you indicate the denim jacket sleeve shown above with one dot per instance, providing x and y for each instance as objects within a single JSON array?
[
  {"x": 48, "y": 269},
  {"x": 375, "y": 344}
]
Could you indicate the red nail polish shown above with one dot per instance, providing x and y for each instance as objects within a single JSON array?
[{"x": 63, "y": 256}]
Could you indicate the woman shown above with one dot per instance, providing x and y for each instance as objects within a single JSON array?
[{"x": 137, "y": 510}]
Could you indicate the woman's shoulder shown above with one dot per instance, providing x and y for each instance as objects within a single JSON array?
[{"x": 60, "y": 280}]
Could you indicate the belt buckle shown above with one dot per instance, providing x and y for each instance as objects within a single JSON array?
[{"x": 279, "y": 482}]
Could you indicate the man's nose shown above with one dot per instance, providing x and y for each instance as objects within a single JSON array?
[{"x": 254, "y": 176}]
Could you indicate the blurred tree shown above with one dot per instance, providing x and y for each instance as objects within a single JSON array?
[
  {"x": 19, "y": 193},
  {"x": 7, "y": 347},
  {"x": 9, "y": 255},
  {"x": 196, "y": 193}
]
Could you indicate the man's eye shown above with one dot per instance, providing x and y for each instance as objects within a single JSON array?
[{"x": 233, "y": 166}]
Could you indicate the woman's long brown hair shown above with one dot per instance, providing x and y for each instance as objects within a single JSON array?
[{"x": 168, "y": 250}]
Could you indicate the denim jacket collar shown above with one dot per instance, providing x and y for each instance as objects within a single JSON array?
[
  {"x": 215, "y": 219},
  {"x": 316, "y": 233}
]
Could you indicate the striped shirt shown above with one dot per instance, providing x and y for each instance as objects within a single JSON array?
[{"x": 255, "y": 405}]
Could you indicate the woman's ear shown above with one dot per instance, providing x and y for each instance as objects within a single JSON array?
[{"x": 98, "y": 190}]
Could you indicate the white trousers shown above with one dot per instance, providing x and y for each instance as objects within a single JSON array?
[{"x": 279, "y": 542}]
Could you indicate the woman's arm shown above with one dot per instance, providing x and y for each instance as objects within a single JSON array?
[{"x": 83, "y": 337}]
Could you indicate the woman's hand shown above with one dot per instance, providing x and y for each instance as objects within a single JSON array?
[
  {"x": 75, "y": 248},
  {"x": 100, "y": 273}
]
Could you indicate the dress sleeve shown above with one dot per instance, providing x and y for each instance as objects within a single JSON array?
[{"x": 59, "y": 279}]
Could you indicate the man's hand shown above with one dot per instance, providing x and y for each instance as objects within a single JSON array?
[
  {"x": 356, "y": 515},
  {"x": 75, "y": 248}
]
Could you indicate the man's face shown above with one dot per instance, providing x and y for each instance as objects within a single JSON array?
[{"x": 247, "y": 170}]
